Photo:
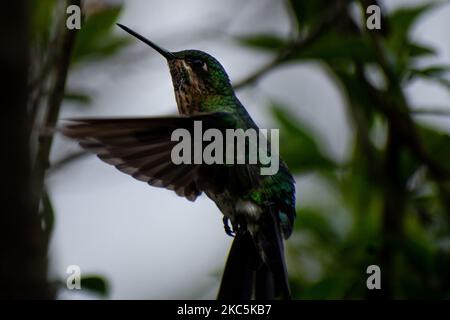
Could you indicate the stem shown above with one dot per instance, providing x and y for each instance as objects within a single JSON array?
[
  {"x": 62, "y": 57},
  {"x": 394, "y": 195}
]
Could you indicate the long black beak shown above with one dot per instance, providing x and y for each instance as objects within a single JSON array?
[{"x": 166, "y": 54}]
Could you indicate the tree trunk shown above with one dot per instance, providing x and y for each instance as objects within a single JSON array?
[{"x": 23, "y": 260}]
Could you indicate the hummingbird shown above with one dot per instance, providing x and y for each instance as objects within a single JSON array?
[{"x": 258, "y": 210}]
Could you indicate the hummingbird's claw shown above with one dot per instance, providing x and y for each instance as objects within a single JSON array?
[
  {"x": 227, "y": 228},
  {"x": 237, "y": 228}
]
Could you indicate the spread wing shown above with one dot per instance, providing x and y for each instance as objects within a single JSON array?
[{"x": 142, "y": 148}]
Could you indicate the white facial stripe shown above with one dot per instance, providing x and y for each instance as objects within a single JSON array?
[{"x": 185, "y": 65}]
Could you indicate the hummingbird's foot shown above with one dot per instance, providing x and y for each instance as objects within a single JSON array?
[
  {"x": 239, "y": 226},
  {"x": 227, "y": 228}
]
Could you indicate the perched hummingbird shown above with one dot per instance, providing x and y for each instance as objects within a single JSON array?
[{"x": 260, "y": 208}]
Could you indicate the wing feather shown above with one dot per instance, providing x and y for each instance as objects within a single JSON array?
[{"x": 142, "y": 149}]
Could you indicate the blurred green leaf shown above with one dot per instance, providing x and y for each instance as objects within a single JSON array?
[
  {"x": 96, "y": 38},
  {"x": 403, "y": 19},
  {"x": 78, "y": 97},
  {"x": 356, "y": 93},
  {"x": 417, "y": 50},
  {"x": 312, "y": 220},
  {"x": 399, "y": 43},
  {"x": 96, "y": 284},
  {"x": 432, "y": 71},
  {"x": 307, "y": 12},
  {"x": 298, "y": 147},
  {"x": 330, "y": 287},
  {"x": 48, "y": 214},
  {"x": 403, "y": 59},
  {"x": 442, "y": 265},
  {"x": 401, "y": 22},
  {"x": 437, "y": 144},
  {"x": 335, "y": 46},
  {"x": 444, "y": 82},
  {"x": 331, "y": 46},
  {"x": 263, "y": 41},
  {"x": 417, "y": 248},
  {"x": 42, "y": 15},
  {"x": 111, "y": 45},
  {"x": 437, "y": 73}
]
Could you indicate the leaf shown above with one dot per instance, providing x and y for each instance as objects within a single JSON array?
[
  {"x": 402, "y": 48},
  {"x": 442, "y": 264},
  {"x": 330, "y": 287},
  {"x": 111, "y": 45},
  {"x": 263, "y": 41},
  {"x": 403, "y": 19},
  {"x": 444, "y": 82},
  {"x": 417, "y": 50},
  {"x": 432, "y": 71},
  {"x": 42, "y": 14},
  {"x": 401, "y": 22},
  {"x": 96, "y": 284},
  {"x": 437, "y": 145},
  {"x": 355, "y": 91},
  {"x": 417, "y": 247},
  {"x": 312, "y": 220},
  {"x": 435, "y": 73},
  {"x": 307, "y": 12},
  {"x": 95, "y": 39},
  {"x": 78, "y": 97},
  {"x": 334, "y": 46},
  {"x": 48, "y": 214},
  {"x": 298, "y": 147}
]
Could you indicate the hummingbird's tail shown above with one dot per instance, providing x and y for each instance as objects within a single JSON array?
[{"x": 255, "y": 267}]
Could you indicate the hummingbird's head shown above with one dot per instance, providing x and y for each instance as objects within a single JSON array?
[{"x": 196, "y": 75}]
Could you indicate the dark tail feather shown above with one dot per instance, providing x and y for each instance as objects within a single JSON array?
[
  {"x": 247, "y": 277},
  {"x": 237, "y": 279},
  {"x": 264, "y": 284},
  {"x": 270, "y": 243}
]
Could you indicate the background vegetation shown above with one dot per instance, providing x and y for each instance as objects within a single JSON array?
[{"x": 390, "y": 198}]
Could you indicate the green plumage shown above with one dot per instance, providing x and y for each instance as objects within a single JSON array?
[{"x": 261, "y": 208}]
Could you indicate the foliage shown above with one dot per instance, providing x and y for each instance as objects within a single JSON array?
[
  {"x": 96, "y": 39},
  {"x": 389, "y": 200},
  {"x": 95, "y": 284}
]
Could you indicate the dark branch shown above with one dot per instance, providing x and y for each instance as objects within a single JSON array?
[
  {"x": 397, "y": 112},
  {"x": 296, "y": 46}
]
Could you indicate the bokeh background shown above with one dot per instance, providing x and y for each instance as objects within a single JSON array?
[{"x": 368, "y": 191}]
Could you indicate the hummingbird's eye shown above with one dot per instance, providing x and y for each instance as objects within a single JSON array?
[{"x": 199, "y": 64}]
